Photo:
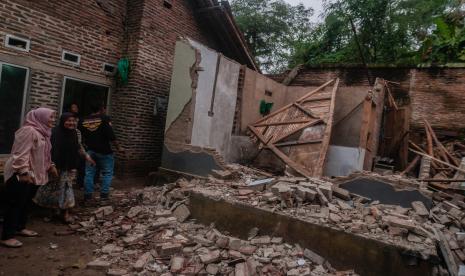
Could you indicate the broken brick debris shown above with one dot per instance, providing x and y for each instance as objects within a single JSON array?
[{"x": 147, "y": 232}]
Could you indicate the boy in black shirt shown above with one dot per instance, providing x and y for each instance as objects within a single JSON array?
[{"x": 97, "y": 136}]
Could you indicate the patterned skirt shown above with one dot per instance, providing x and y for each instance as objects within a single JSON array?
[{"x": 57, "y": 194}]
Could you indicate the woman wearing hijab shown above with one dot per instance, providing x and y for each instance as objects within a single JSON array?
[
  {"x": 66, "y": 151},
  {"x": 27, "y": 168}
]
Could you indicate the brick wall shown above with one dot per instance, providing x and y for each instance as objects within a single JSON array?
[
  {"x": 95, "y": 29},
  {"x": 82, "y": 27},
  {"x": 437, "y": 94},
  {"x": 151, "y": 51}
]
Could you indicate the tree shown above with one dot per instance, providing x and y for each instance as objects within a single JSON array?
[
  {"x": 272, "y": 28},
  {"x": 389, "y": 31},
  {"x": 447, "y": 42}
]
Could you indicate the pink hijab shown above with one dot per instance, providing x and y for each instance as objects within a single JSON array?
[{"x": 38, "y": 119}]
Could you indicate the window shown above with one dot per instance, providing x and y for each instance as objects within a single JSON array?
[
  {"x": 70, "y": 57},
  {"x": 83, "y": 94},
  {"x": 17, "y": 43},
  {"x": 13, "y": 85},
  {"x": 109, "y": 69}
]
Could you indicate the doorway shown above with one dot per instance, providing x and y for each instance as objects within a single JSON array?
[
  {"x": 13, "y": 86},
  {"x": 83, "y": 93}
]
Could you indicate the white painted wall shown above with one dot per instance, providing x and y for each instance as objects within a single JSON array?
[
  {"x": 342, "y": 161},
  {"x": 202, "y": 122},
  {"x": 214, "y": 132}
]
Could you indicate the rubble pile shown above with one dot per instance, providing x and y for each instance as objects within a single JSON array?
[
  {"x": 323, "y": 203},
  {"x": 148, "y": 231}
]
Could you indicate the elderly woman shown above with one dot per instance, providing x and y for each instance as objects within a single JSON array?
[
  {"x": 66, "y": 151},
  {"x": 28, "y": 167}
]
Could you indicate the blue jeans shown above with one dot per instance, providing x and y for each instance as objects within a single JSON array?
[{"x": 105, "y": 162}]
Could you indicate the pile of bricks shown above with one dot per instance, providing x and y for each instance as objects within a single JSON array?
[{"x": 148, "y": 232}]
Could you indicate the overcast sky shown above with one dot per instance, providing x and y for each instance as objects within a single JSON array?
[{"x": 316, "y": 5}]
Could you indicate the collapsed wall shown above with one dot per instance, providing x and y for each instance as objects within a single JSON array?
[{"x": 201, "y": 110}]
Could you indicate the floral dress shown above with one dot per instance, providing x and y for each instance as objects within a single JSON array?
[{"x": 57, "y": 194}]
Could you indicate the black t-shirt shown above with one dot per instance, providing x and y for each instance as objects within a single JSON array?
[{"x": 97, "y": 133}]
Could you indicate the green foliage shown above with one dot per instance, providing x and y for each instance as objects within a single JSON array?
[
  {"x": 271, "y": 28},
  {"x": 446, "y": 43},
  {"x": 396, "y": 32},
  {"x": 389, "y": 31}
]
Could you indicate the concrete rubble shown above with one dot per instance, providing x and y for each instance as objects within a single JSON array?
[{"x": 150, "y": 230}]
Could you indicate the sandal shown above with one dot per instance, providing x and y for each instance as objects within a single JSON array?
[
  {"x": 11, "y": 243},
  {"x": 27, "y": 233}
]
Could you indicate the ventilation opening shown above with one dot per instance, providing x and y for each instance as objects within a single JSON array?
[
  {"x": 72, "y": 58},
  {"x": 168, "y": 3},
  {"x": 17, "y": 43},
  {"x": 268, "y": 93},
  {"x": 109, "y": 69}
]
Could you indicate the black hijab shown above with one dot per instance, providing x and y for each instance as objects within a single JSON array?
[{"x": 65, "y": 145}]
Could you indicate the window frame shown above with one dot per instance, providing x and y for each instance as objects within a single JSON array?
[
  {"x": 25, "y": 93},
  {"x": 28, "y": 43},
  {"x": 63, "y": 88},
  {"x": 64, "y": 52}
]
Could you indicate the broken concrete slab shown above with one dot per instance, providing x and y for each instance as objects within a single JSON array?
[
  {"x": 384, "y": 192},
  {"x": 181, "y": 213},
  {"x": 420, "y": 208}
]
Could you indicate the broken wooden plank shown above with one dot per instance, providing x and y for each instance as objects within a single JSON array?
[
  {"x": 296, "y": 143},
  {"x": 307, "y": 112},
  {"x": 437, "y": 160},
  {"x": 412, "y": 165},
  {"x": 440, "y": 145},
  {"x": 316, "y": 100},
  {"x": 282, "y": 123},
  {"x": 281, "y": 155},
  {"x": 298, "y": 101},
  {"x": 327, "y": 135}
]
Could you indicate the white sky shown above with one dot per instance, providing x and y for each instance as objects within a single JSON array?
[{"x": 316, "y": 5}]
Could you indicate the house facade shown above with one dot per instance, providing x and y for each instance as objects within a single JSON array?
[{"x": 54, "y": 53}]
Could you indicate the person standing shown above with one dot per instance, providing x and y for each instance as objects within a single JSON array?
[
  {"x": 66, "y": 153},
  {"x": 27, "y": 168},
  {"x": 97, "y": 137}
]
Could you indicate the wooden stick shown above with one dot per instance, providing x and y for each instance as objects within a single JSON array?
[
  {"x": 307, "y": 112},
  {"x": 443, "y": 180},
  {"x": 441, "y": 146},
  {"x": 282, "y": 123},
  {"x": 437, "y": 160},
  {"x": 411, "y": 165},
  {"x": 429, "y": 141}
]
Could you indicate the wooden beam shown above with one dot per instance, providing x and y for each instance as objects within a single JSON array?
[
  {"x": 440, "y": 145},
  {"x": 316, "y": 99},
  {"x": 307, "y": 112},
  {"x": 411, "y": 165},
  {"x": 443, "y": 180},
  {"x": 282, "y": 123},
  {"x": 327, "y": 135},
  {"x": 281, "y": 155},
  {"x": 298, "y": 143},
  {"x": 437, "y": 160}
]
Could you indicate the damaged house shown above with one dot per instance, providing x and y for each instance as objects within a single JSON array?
[
  {"x": 54, "y": 53},
  {"x": 315, "y": 171}
]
